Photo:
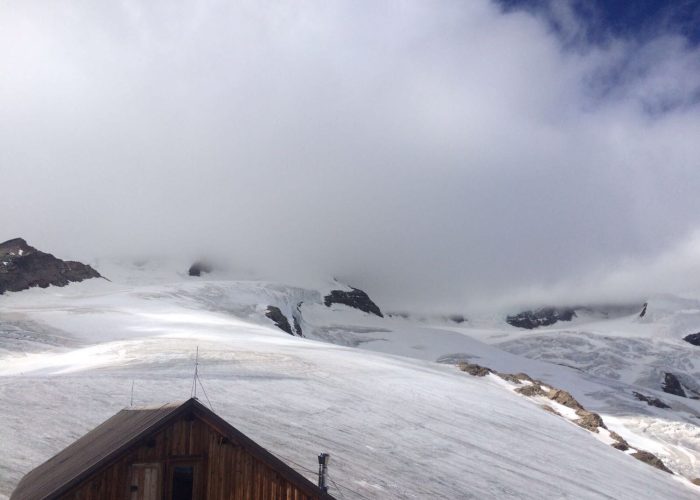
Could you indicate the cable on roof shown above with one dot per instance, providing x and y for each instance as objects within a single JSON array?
[{"x": 338, "y": 487}]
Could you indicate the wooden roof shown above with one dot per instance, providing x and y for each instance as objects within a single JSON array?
[{"x": 108, "y": 441}]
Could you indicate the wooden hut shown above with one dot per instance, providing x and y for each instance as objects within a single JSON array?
[{"x": 180, "y": 451}]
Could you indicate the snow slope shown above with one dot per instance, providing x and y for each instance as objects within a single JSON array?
[{"x": 396, "y": 423}]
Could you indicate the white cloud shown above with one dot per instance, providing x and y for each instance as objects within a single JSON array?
[{"x": 440, "y": 154}]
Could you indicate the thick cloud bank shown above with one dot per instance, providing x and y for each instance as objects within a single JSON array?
[{"x": 441, "y": 154}]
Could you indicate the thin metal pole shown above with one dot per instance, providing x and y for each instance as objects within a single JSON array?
[{"x": 193, "y": 392}]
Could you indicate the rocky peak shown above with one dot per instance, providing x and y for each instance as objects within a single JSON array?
[
  {"x": 354, "y": 298},
  {"x": 544, "y": 316},
  {"x": 199, "y": 267},
  {"x": 17, "y": 247},
  {"x": 22, "y": 266},
  {"x": 693, "y": 338}
]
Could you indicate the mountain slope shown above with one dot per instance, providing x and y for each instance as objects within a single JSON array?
[{"x": 395, "y": 427}]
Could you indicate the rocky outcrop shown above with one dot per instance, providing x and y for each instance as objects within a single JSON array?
[
  {"x": 474, "y": 369},
  {"x": 541, "y": 317},
  {"x": 672, "y": 385},
  {"x": 643, "y": 312},
  {"x": 650, "y": 400},
  {"x": 551, "y": 410},
  {"x": 693, "y": 338},
  {"x": 564, "y": 398},
  {"x": 588, "y": 420},
  {"x": 23, "y": 266},
  {"x": 509, "y": 377},
  {"x": 354, "y": 298},
  {"x": 531, "y": 390},
  {"x": 198, "y": 268},
  {"x": 457, "y": 318},
  {"x": 620, "y": 443},
  {"x": 296, "y": 317},
  {"x": 651, "y": 459},
  {"x": 280, "y": 320}
]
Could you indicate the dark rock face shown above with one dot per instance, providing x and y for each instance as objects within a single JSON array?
[
  {"x": 23, "y": 266},
  {"x": 672, "y": 385},
  {"x": 296, "y": 316},
  {"x": 693, "y": 338},
  {"x": 198, "y": 268},
  {"x": 281, "y": 321},
  {"x": 650, "y": 400},
  {"x": 456, "y": 318},
  {"x": 297, "y": 327},
  {"x": 354, "y": 298},
  {"x": 651, "y": 459},
  {"x": 541, "y": 317},
  {"x": 644, "y": 310}
]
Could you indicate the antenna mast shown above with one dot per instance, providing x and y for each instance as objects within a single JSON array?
[
  {"x": 193, "y": 392},
  {"x": 196, "y": 380}
]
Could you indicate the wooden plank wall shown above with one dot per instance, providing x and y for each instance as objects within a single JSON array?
[{"x": 228, "y": 472}]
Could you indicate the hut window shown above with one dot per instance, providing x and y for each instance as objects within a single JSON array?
[{"x": 183, "y": 482}]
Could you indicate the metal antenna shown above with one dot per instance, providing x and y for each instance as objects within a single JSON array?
[
  {"x": 193, "y": 392},
  {"x": 197, "y": 380},
  {"x": 131, "y": 402}
]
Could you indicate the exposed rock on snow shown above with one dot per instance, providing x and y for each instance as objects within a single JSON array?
[
  {"x": 541, "y": 317},
  {"x": 355, "y": 298},
  {"x": 296, "y": 317},
  {"x": 693, "y": 338},
  {"x": 643, "y": 311},
  {"x": 474, "y": 369},
  {"x": 589, "y": 420},
  {"x": 620, "y": 443},
  {"x": 651, "y": 459},
  {"x": 509, "y": 377},
  {"x": 564, "y": 398},
  {"x": 651, "y": 401},
  {"x": 672, "y": 385},
  {"x": 551, "y": 410},
  {"x": 23, "y": 266},
  {"x": 531, "y": 390},
  {"x": 281, "y": 321},
  {"x": 456, "y": 318},
  {"x": 198, "y": 268}
]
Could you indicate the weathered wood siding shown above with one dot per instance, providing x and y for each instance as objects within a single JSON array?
[{"x": 226, "y": 470}]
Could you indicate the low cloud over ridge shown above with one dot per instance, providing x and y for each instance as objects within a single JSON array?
[{"x": 438, "y": 154}]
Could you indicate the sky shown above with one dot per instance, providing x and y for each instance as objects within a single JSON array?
[{"x": 442, "y": 155}]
